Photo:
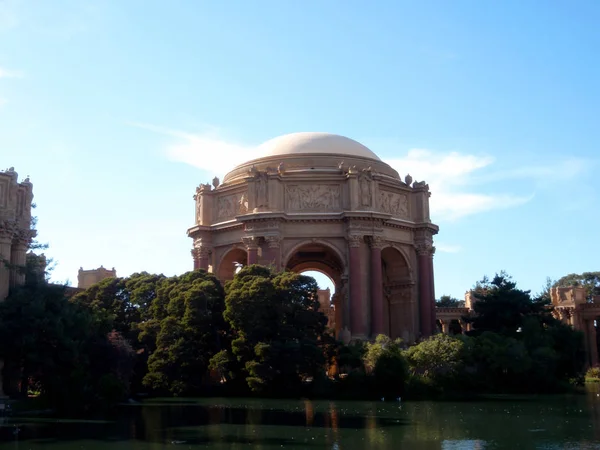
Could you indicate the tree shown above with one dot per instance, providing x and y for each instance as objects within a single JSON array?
[
  {"x": 589, "y": 280},
  {"x": 60, "y": 346},
  {"x": 500, "y": 307},
  {"x": 189, "y": 335},
  {"x": 439, "y": 358},
  {"x": 385, "y": 362},
  {"x": 278, "y": 330},
  {"x": 127, "y": 304},
  {"x": 446, "y": 301}
]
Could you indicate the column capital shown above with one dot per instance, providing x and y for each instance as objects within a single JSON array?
[
  {"x": 354, "y": 240},
  {"x": 377, "y": 242},
  {"x": 425, "y": 248},
  {"x": 273, "y": 241},
  {"x": 250, "y": 242},
  {"x": 22, "y": 238},
  {"x": 201, "y": 252}
]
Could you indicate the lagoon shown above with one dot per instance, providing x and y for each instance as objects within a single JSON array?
[{"x": 549, "y": 422}]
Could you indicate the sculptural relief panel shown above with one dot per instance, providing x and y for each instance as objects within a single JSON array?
[
  {"x": 229, "y": 206},
  {"x": 393, "y": 203},
  {"x": 315, "y": 197}
]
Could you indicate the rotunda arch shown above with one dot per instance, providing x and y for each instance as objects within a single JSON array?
[
  {"x": 321, "y": 256},
  {"x": 232, "y": 259},
  {"x": 398, "y": 287}
]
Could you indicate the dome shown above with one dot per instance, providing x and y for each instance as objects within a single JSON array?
[{"x": 314, "y": 143}]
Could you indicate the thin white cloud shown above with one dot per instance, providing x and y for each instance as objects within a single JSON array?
[
  {"x": 207, "y": 151},
  {"x": 3, "y": 101},
  {"x": 5, "y": 73},
  {"x": 448, "y": 175},
  {"x": 456, "y": 179},
  {"x": 447, "y": 248}
]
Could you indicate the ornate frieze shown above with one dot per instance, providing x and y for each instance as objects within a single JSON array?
[
  {"x": 229, "y": 206},
  {"x": 261, "y": 227},
  {"x": 313, "y": 197},
  {"x": 393, "y": 203}
]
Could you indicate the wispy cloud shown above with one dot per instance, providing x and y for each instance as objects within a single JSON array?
[
  {"x": 3, "y": 101},
  {"x": 460, "y": 183},
  {"x": 5, "y": 73},
  {"x": 206, "y": 151},
  {"x": 447, "y": 248},
  {"x": 449, "y": 175}
]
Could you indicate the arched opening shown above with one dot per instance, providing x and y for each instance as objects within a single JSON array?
[
  {"x": 231, "y": 263},
  {"x": 455, "y": 327},
  {"x": 323, "y": 263},
  {"x": 398, "y": 308}
]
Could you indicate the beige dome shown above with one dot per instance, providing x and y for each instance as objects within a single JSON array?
[{"x": 314, "y": 143}]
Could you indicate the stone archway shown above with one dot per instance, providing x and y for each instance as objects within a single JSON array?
[
  {"x": 322, "y": 257},
  {"x": 398, "y": 308},
  {"x": 230, "y": 262}
]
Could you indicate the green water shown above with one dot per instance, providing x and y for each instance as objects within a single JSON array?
[{"x": 558, "y": 422}]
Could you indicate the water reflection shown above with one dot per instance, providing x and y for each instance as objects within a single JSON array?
[{"x": 549, "y": 423}]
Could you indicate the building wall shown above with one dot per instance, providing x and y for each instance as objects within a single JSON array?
[
  {"x": 87, "y": 278},
  {"x": 16, "y": 231}
]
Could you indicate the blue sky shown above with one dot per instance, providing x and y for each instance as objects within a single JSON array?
[{"x": 118, "y": 109}]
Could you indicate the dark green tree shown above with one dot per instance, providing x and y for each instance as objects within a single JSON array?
[
  {"x": 500, "y": 307},
  {"x": 278, "y": 330},
  {"x": 62, "y": 348},
  {"x": 446, "y": 301},
  {"x": 190, "y": 334}
]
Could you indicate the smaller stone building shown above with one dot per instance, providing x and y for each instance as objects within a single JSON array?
[
  {"x": 15, "y": 229},
  {"x": 326, "y": 306},
  {"x": 87, "y": 278},
  {"x": 571, "y": 306}
]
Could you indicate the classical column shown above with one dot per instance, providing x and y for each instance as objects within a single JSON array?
[
  {"x": 251, "y": 244},
  {"x": 201, "y": 257},
  {"x": 426, "y": 300},
  {"x": 357, "y": 327},
  {"x": 592, "y": 342},
  {"x": 274, "y": 249},
  {"x": 18, "y": 259},
  {"x": 5, "y": 252},
  {"x": 432, "y": 288},
  {"x": 196, "y": 257},
  {"x": 445, "y": 326},
  {"x": 378, "y": 326}
]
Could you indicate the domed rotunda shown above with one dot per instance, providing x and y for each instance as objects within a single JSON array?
[{"x": 324, "y": 202}]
